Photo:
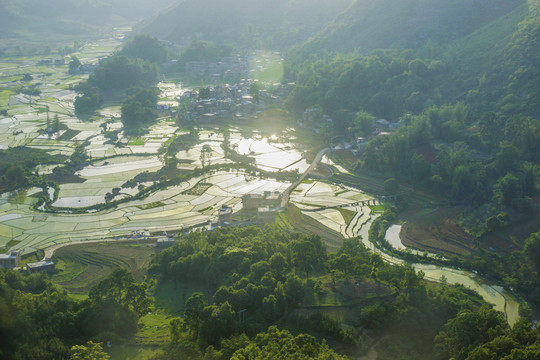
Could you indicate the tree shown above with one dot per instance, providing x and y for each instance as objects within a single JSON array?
[
  {"x": 469, "y": 329},
  {"x": 74, "y": 64},
  {"x": 362, "y": 123},
  {"x": 92, "y": 351},
  {"x": 506, "y": 190},
  {"x": 88, "y": 102},
  {"x": 532, "y": 249},
  {"x": 145, "y": 47},
  {"x": 281, "y": 344},
  {"x": 193, "y": 309},
  {"x": 56, "y": 124},
  {"x": 217, "y": 322},
  {"x": 309, "y": 253},
  {"x": 204, "y": 93},
  {"x": 15, "y": 175},
  {"x": 139, "y": 109},
  {"x": 206, "y": 153},
  {"x": 120, "y": 286},
  {"x": 254, "y": 91}
]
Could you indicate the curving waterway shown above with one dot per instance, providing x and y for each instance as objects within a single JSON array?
[{"x": 493, "y": 294}]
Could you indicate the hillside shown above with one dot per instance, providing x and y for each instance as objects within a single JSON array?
[
  {"x": 244, "y": 23},
  {"x": 384, "y": 24},
  {"x": 54, "y": 21}
]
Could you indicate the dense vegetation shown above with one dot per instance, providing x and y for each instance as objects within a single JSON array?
[
  {"x": 266, "y": 289},
  {"x": 17, "y": 167},
  {"x": 39, "y": 321},
  {"x": 260, "y": 277},
  {"x": 133, "y": 71},
  {"x": 468, "y": 129}
]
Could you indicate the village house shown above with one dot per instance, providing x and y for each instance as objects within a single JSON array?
[
  {"x": 272, "y": 198},
  {"x": 45, "y": 265},
  {"x": 267, "y": 214},
  {"x": 251, "y": 201},
  {"x": 267, "y": 199},
  {"x": 225, "y": 215},
  {"x": 10, "y": 260}
]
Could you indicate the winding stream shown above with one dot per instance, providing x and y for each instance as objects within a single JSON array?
[{"x": 493, "y": 294}]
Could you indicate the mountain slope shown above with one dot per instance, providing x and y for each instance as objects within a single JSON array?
[
  {"x": 51, "y": 21},
  {"x": 382, "y": 24},
  {"x": 244, "y": 23}
]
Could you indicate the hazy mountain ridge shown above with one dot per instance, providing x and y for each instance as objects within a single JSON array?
[
  {"x": 374, "y": 24},
  {"x": 241, "y": 23},
  {"x": 50, "y": 20}
]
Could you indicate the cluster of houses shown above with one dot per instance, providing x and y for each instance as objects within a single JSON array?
[
  {"x": 315, "y": 119},
  {"x": 12, "y": 260},
  {"x": 266, "y": 205},
  {"x": 51, "y": 62},
  {"x": 225, "y": 101}
]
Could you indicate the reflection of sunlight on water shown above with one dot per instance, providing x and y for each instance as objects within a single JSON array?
[
  {"x": 272, "y": 157},
  {"x": 78, "y": 202},
  {"x": 120, "y": 167},
  {"x": 392, "y": 236}
]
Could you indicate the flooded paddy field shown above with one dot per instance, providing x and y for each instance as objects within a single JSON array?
[
  {"x": 74, "y": 213},
  {"x": 333, "y": 206}
]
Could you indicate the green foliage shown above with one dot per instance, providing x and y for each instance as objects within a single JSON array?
[
  {"x": 121, "y": 288},
  {"x": 362, "y": 124},
  {"x": 17, "y": 167},
  {"x": 90, "y": 351},
  {"x": 89, "y": 101},
  {"x": 74, "y": 64},
  {"x": 205, "y": 51},
  {"x": 486, "y": 335},
  {"x": 282, "y": 344},
  {"x": 308, "y": 253},
  {"x": 120, "y": 72},
  {"x": 145, "y": 47},
  {"x": 139, "y": 108},
  {"x": 117, "y": 73},
  {"x": 381, "y": 84}
]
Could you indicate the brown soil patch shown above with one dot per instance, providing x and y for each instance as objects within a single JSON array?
[{"x": 438, "y": 231}]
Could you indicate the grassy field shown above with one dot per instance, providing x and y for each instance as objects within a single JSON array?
[
  {"x": 152, "y": 334},
  {"x": 82, "y": 266}
]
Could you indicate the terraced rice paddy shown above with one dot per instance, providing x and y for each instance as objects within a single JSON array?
[
  {"x": 320, "y": 201},
  {"x": 115, "y": 163}
]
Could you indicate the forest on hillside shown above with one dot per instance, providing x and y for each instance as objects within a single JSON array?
[{"x": 284, "y": 286}]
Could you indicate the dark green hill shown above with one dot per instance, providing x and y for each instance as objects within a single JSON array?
[
  {"x": 277, "y": 24},
  {"x": 383, "y": 24}
]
